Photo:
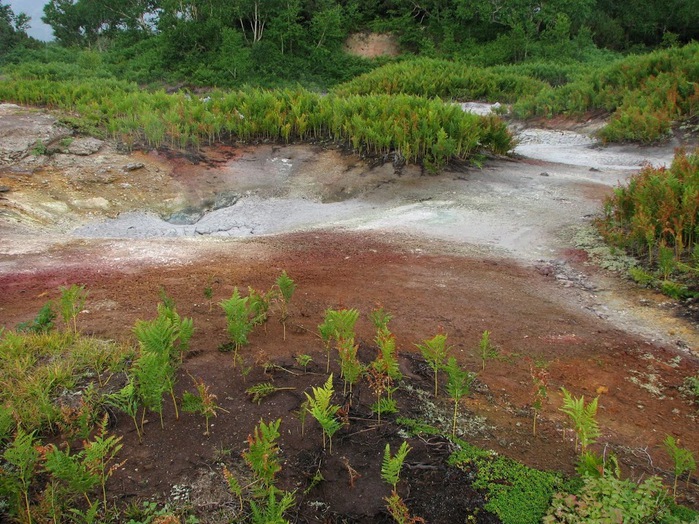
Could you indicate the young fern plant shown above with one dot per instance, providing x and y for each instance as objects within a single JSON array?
[
  {"x": 338, "y": 325},
  {"x": 71, "y": 303},
  {"x": 435, "y": 351},
  {"x": 459, "y": 383},
  {"x": 286, "y": 288},
  {"x": 127, "y": 401},
  {"x": 486, "y": 350},
  {"x": 390, "y": 473},
  {"x": 99, "y": 455},
  {"x": 320, "y": 407},
  {"x": 583, "y": 419},
  {"x": 204, "y": 402},
  {"x": 23, "y": 457},
  {"x": 263, "y": 390},
  {"x": 239, "y": 323},
  {"x": 351, "y": 368},
  {"x": 683, "y": 461}
]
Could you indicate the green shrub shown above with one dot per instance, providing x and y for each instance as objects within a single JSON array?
[
  {"x": 609, "y": 499},
  {"x": 516, "y": 493}
]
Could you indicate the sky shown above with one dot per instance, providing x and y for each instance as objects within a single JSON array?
[{"x": 35, "y": 9}]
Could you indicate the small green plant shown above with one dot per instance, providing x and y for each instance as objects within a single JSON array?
[
  {"x": 126, "y": 400},
  {"x": 459, "y": 383},
  {"x": 583, "y": 419},
  {"x": 393, "y": 464},
  {"x": 486, "y": 350},
  {"x": 337, "y": 325},
  {"x": 380, "y": 319},
  {"x": 683, "y": 460},
  {"x": 209, "y": 295},
  {"x": 321, "y": 408},
  {"x": 263, "y": 452},
  {"x": 434, "y": 351},
  {"x": 303, "y": 361},
  {"x": 391, "y": 467},
  {"x": 286, "y": 288},
  {"x": 71, "y": 303},
  {"x": 380, "y": 382},
  {"x": 263, "y": 390},
  {"x": 22, "y": 457},
  {"x": 239, "y": 324},
  {"x": 71, "y": 471},
  {"x": 540, "y": 389},
  {"x": 99, "y": 455},
  {"x": 203, "y": 403},
  {"x": 610, "y": 499},
  {"x": 351, "y": 368},
  {"x": 42, "y": 323},
  {"x": 40, "y": 149}
]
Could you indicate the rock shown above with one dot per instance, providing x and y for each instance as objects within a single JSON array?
[
  {"x": 544, "y": 173},
  {"x": 85, "y": 146},
  {"x": 133, "y": 166},
  {"x": 5, "y": 189}
]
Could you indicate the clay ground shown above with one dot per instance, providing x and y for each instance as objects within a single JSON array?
[{"x": 531, "y": 287}]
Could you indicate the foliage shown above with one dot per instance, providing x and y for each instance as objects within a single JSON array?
[
  {"x": 263, "y": 452},
  {"x": 204, "y": 402},
  {"x": 71, "y": 303},
  {"x": 486, "y": 350},
  {"x": 657, "y": 214},
  {"x": 610, "y": 499},
  {"x": 303, "y": 360},
  {"x": 22, "y": 457},
  {"x": 321, "y": 408},
  {"x": 35, "y": 368},
  {"x": 434, "y": 351},
  {"x": 262, "y": 390},
  {"x": 645, "y": 94},
  {"x": 441, "y": 79},
  {"x": 286, "y": 288},
  {"x": 413, "y": 129},
  {"x": 516, "y": 493},
  {"x": 458, "y": 386},
  {"x": 338, "y": 325},
  {"x": 539, "y": 374},
  {"x": 42, "y": 323},
  {"x": 238, "y": 321},
  {"x": 392, "y": 464},
  {"x": 683, "y": 461},
  {"x": 582, "y": 417}
]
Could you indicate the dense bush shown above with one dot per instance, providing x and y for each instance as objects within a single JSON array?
[
  {"x": 444, "y": 79},
  {"x": 645, "y": 94},
  {"x": 415, "y": 129}
]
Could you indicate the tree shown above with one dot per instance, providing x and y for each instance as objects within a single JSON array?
[
  {"x": 85, "y": 22},
  {"x": 13, "y": 28}
]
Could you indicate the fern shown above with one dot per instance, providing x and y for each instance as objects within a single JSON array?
[
  {"x": 262, "y": 390},
  {"x": 583, "y": 418},
  {"x": 458, "y": 385},
  {"x": 392, "y": 465},
  {"x": 262, "y": 455},
  {"x": 126, "y": 400},
  {"x": 434, "y": 351},
  {"x": 320, "y": 407}
]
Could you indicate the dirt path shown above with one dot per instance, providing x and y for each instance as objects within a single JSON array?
[{"x": 465, "y": 251}]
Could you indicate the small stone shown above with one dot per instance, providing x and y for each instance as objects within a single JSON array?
[
  {"x": 544, "y": 173},
  {"x": 5, "y": 189},
  {"x": 85, "y": 146},
  {"x": 133, "y": 166}
]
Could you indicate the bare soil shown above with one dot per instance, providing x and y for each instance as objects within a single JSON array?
[{"x": 499, "y": 257}]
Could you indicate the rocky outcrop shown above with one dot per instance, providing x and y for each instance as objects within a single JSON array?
[{"x": 24, "y": 132}]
